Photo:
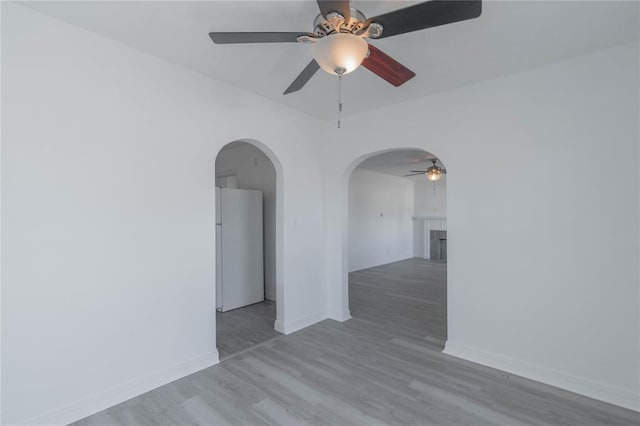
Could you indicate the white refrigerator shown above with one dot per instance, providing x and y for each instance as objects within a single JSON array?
[{"x": 239, "y": 248}]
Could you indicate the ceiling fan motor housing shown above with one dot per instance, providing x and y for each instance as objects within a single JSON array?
[{"x": 336, "y": 23}]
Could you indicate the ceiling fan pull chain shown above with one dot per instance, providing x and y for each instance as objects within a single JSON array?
[{"x": 339, "y": 98}]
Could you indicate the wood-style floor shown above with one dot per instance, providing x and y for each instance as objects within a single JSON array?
[
  {"x": 408, "y": 299},
  {"x": 384, "y": 366},
  {"x": 244, "y": 328}
]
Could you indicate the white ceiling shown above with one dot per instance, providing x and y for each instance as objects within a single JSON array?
[
  {"x": 510, "y": 36},
  {"x": 400, "y": 162}
]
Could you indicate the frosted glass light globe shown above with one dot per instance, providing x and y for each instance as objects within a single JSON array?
[
  {"x": 340, "y": 51},
  {"x": 433, "y": 174}
]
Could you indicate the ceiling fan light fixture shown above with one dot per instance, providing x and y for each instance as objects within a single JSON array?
[
  {"x": 340, "y": 53},
  {"x": 434, "y": 173}
]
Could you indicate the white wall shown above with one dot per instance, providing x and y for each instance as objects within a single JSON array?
[
  {"x": 429, "y": 203},
  {"x": 380, "y": 225},
  {"x": 107, "y": 206},
  {"x": 542, "y": 249},
  {"x": 107, "y": 217},
  {"x": 254, "y": 170}
]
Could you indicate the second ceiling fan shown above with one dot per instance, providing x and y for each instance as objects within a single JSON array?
[
  {"x": 339, "y": 34},
  {"x": 433, "y": 173}
]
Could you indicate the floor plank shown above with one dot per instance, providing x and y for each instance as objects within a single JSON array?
[
  {"x": 384, "y": 366},
  {"x": 244, "y": 328}
]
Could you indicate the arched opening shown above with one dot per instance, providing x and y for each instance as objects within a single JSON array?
[
  {"x": 249, "y": 287},
  {"x": 396, "y": 244}
]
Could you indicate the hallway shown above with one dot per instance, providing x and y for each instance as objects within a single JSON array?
[{"x": 384, "y": 366}]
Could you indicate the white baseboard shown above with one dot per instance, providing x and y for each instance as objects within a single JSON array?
[
  {"x": 593, "y": 389},
  {"x": 381, "y": 263},
  {"x": 279, "y": 326},
  {"x": 295, "y": 325},
  {"x": 340, "y": 316},
  {"x": 98, "y": 402}
]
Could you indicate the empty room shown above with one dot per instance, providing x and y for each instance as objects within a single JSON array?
[{"x": 320, "y": 212}]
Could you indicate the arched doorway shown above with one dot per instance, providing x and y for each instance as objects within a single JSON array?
[
  {"x": 396, "y": 244},
  {"x": 248, "y": 246}
]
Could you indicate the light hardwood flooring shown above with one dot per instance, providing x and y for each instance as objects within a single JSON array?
[
  {"x": 244, "y": 328},
  {"x": 408, "y": 299},
  {"x": 384, "y": 366}
]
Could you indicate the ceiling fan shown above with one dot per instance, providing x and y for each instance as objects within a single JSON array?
[
  {"x": 433, "y": 173},
  {"x": 340, "y": 31}
]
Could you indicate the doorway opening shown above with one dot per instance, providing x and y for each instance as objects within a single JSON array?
[
  {"x": 247, "y": 191},
  {"x": 397, "y": 245}
]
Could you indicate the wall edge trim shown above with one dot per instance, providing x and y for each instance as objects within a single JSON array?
[
  {"x": 90, "y": 405},
  {"x": 625, "y": 398},
  {"x": 300, "y": 323},
  {"x": 385, "y": 262},
  {"x": 340, "y": 316}
]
